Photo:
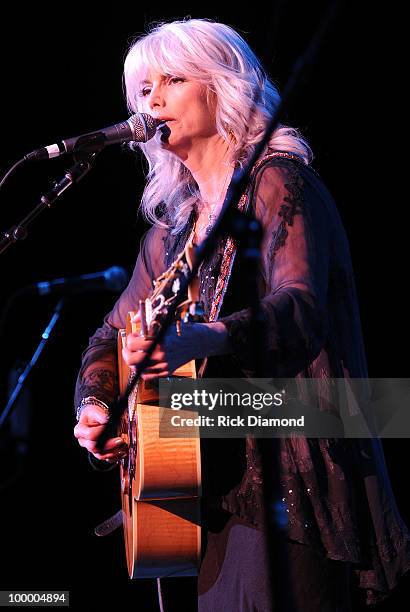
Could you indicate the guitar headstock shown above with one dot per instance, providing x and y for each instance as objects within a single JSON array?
[{"x": 167, "y": 290}]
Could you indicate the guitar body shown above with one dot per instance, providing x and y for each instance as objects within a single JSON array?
[{"x": 160, "y": 483}]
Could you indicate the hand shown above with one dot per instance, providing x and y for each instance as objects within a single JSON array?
[
  {"x": 197, "y": 340},
  {"x": 88, "y": 429}
]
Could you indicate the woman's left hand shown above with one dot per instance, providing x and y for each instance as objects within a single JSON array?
[{"x": 196, "y": 341}]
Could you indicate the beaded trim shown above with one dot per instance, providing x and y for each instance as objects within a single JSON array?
[
  {"x": 86, "y": 401},
  {"x": 231, "y": 246}
]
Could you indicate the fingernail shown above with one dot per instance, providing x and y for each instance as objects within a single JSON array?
[{"x": 118, "y": 442}]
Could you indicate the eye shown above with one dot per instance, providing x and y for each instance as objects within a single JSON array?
[
  {"x": 145, "y": 91},
  {"x": 176, "y": 80}
]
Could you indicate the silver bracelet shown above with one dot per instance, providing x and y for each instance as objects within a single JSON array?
[{"x": 90, "y": 400}]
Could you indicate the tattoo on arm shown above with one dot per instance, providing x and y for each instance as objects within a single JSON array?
[{"x": 101, "y": 382}]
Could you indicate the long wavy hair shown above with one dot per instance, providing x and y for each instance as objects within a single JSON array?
[{"x": 238, "y": 89}]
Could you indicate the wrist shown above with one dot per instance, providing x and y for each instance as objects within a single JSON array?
[{"x": 86, "y": 401}]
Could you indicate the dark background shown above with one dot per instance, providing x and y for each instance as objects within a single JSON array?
[{"x": 61, "y": 76}]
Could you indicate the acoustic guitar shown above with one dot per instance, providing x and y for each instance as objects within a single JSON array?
[{"x": 161, "y": 476}]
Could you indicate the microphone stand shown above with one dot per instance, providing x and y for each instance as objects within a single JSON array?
[
  {"x": 84, "y": 159},
  {"x": 23, "y": 377},
  {"x": 73, "y": 175}
]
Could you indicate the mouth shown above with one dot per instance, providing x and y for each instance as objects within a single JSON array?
[{"x": 164, "y": 119}]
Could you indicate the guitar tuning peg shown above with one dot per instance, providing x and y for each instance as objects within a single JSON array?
[{"x": 178, "y": 327}]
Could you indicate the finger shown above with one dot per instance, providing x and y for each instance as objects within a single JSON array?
[
  {"x": 136, "y": 342},
  {"x": 136, "y": 357},
  {"x": 110, "y": 446},
  {"x": 161, "y": 374},
  {"x": 90, "y": 446},
  {"x": 114, "y": 444},
  {"x": 112, "y": 457},
  {"x": 140, "y": 346},
  {"x": 89, "y": 432},
  {"x": 157, "y": 368}
]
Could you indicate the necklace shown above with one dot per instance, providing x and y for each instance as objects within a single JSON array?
[
  {"x": 208, "y": 226},
  {"x": 212, "y": 216}
]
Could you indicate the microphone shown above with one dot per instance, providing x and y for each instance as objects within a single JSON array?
[
  {"x": 138, "y": 128},
  {"x": 113, "y": 279}
]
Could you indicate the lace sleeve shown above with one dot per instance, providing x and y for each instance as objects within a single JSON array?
[
  {"x": 98, "y": 372},
  {"x": 294, "y": 270}
]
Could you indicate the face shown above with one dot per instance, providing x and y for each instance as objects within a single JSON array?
[{"x": 183, "y": 104}]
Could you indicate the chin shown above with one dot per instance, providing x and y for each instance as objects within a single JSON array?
[{"x": 172, "y": 145}]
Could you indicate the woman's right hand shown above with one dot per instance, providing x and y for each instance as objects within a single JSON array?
[{"x": 88, "y": 429}]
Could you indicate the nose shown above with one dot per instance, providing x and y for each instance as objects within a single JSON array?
[{"x": 156, "y": 98}]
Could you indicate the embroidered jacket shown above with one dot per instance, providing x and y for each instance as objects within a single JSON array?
[{"x": 337, "y": 492}]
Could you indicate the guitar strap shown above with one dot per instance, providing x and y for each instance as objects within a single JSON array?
[{"x": 109, "y": 525}]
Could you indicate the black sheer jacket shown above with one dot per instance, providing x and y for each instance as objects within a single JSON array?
[{"x": 337, "y": 491}]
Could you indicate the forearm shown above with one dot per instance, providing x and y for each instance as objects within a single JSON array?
[
  {"x": 98, "y": 372},
  {"x": 194, "y": 341},
  {"x": 295, "y": 328},
  {"x": 99, "y": 379},
  {"x": 214, "y": 339}
]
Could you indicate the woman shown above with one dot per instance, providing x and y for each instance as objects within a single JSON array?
[{"x": 204, "y": 82}]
